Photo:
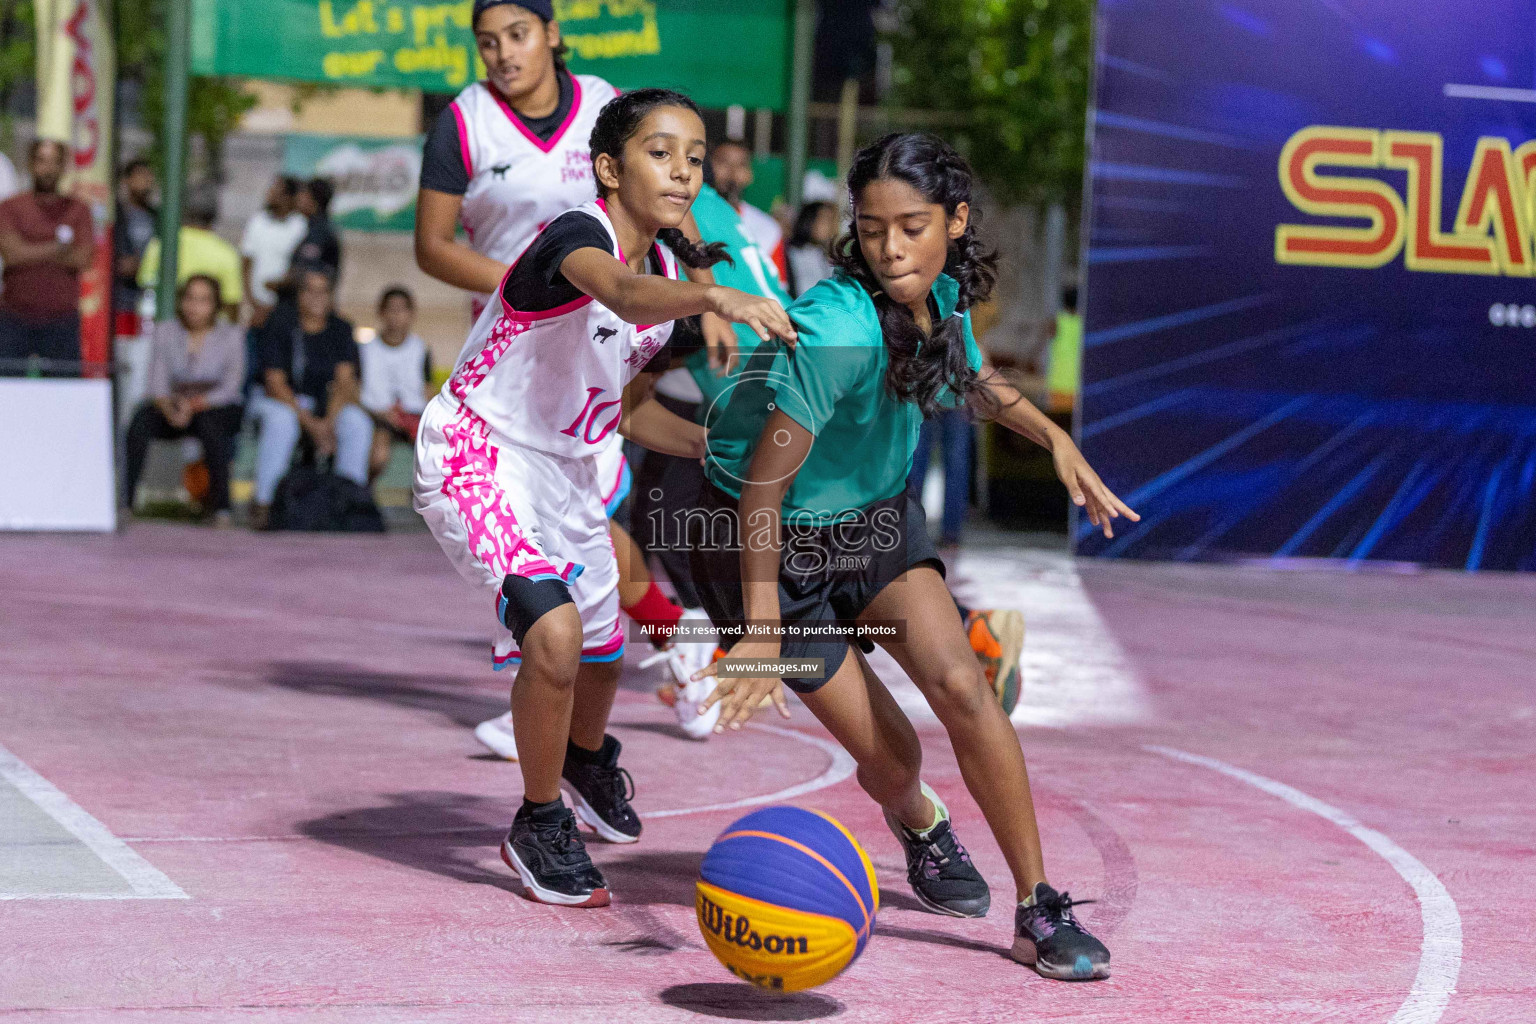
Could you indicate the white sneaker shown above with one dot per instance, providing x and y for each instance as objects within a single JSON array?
[
  {"x": 683, "y": 660},
  {"x": 496, "y": 734},
  {"x": 689, "y": 696}
]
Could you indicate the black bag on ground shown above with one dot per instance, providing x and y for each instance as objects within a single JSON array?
[{"x": 313, "y": 500}]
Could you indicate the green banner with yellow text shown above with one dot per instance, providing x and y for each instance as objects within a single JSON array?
[{"x": 720, "y": 52}]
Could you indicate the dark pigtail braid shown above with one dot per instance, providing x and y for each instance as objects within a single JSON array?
[
  {"x": 693, "y": 254},
  {"x": 922, "y": 369}
]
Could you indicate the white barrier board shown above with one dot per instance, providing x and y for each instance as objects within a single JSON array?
[{"x": 56, "y": 459}]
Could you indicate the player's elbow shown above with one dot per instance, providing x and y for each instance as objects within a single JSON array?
[
  {"x": 622, "y": 307},
  {"x": 427, "y": 250}
]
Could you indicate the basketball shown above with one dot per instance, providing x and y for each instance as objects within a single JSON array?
[{"x": 787, "y": 898}]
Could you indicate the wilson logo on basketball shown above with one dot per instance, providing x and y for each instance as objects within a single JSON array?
[{"x": 738, "y": 929}]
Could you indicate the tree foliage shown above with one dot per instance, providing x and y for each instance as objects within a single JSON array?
[
  {"x": 18, "y": 55},
  {"x": 214, "y": 105},
  {"x": 1019, "y": 70}
]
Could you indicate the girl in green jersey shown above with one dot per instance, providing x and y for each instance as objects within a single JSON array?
[{"x": 811, "y": 455}]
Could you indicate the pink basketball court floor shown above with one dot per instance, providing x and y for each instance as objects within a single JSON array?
[{"x": 237, "y": 781}]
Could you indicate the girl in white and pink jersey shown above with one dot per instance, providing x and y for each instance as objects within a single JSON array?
[
  {"x": 503, "y": 160},
  {"x": 509, "y": 154},
  {"x": 508, "y": 457}
]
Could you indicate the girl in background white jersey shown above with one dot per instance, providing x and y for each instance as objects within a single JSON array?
[
  {"x": 506, "y": 464},
  {"x": 504, "y": 159},
  {"x": 510, "y": 153}
]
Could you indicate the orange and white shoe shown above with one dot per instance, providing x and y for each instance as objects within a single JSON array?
[
  {"x": 671, "y": 693},
  {"x": 997, "y": 637},
  {"x": 683, "y": 694},
  {"x": 668, "y": 689}
]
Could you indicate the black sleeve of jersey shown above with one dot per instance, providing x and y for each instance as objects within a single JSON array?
[
  {"x": 661, "y": 362},
  {"x": 343, "y": 342},
  {"x": 687, "y": 338},
  {"x": 442, "y": 158},
  {"x": 535, "y": 283}
]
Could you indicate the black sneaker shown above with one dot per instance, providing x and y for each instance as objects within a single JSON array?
[
  {"x": 1048, "y": 938},
  {"x": 939, "y": 869},
  {"x": 547, "y": 853},
  {"x": 601, "y": 791}
]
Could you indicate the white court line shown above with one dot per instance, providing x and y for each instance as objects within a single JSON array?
[
  {"x": 1440, "y": 954},
  {"x": 146, "y": 881},
  {"x": 1074, "y": 670},
  {"x": 841, "y": 767}
]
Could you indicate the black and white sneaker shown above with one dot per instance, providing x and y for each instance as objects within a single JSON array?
[
  {"x": 939, "y": 869},
  {"x": 600, "y": 791},
  {"x": 547, "y": 853},
  {"x": 1048, "y": 937}
]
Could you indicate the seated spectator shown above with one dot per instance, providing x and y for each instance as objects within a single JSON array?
[
  {"x": 810, "y": 246},
  {"x": 319, "y": 245},
  {"x": 200, "y": 251},
  {"x": 397, "y": 376},
  {"x": 309, "y": 377},
  {"x": 196, "y": 371}
]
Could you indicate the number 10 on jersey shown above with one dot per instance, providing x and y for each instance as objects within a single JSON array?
[{"x": 587, "y": 427}]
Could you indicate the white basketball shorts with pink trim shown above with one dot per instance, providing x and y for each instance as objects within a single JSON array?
[{"x": 502, "y": 510}]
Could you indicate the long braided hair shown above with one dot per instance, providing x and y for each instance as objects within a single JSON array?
[
  {"x": 616, "y": 124},
  {"x": 922, "y": 368}
]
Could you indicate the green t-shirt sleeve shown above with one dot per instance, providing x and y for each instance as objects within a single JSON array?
[{"x": 824, "y": 366}]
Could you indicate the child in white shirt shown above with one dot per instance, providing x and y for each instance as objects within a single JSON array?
[{"x": 397, "y": 376}]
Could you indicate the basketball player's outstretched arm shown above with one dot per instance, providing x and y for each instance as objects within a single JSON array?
[
  {"x": 650, "y": 299},
  {"x": 1088, "y": 492}
]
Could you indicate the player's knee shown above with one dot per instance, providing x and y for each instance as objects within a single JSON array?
[
  {"x": 551, "y": 650},
  {"x": 960, "y": 693}
]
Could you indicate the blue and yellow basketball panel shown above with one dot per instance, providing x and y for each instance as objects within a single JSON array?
[{"x": 803, "y": 886}]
